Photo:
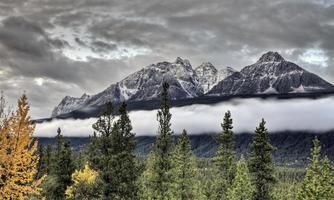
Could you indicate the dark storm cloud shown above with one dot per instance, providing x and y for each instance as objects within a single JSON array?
[
  {"x": 40, "y": 39},
  {"x": 23, "y": 37}
]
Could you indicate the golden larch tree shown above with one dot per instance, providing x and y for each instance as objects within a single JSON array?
[{"x": 18, "y": 156}]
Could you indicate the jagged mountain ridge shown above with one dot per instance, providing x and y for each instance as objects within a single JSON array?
[
  {"x": 270, "y": 74},
  {"x": 144, "y": 84},
  {"x": 209, "y": 76}
]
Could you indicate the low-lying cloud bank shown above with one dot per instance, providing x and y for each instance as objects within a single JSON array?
[{"x": 294, "y": 115}]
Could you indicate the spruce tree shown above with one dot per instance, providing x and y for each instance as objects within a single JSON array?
[
  {"x": 124, "y": 168},
  {"x": 48, "y": 159},
  {"x": 114, "y": 155},
  {"x": 159, "y": 177},
  {"x": 184, "y": 170},
  {"x": 41, "y": 166},
  {"x": 318, "y": 181},
  {"x": 225, "y": 157},
  {"x": 261, "y": 164},
  {"x": 147, "y": 179},
  {"x": 99, "y": 149},
  {"x": 93, "y": 151},
  {"x": 62, "y": 169},
  {"x": 241, "y": 187}
]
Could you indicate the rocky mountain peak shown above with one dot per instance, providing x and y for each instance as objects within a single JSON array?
[
  {"x": 181, "y": 61},
  {"x": 206, "y": 66},
  {"x": 271, "y": 56},
  {"x": 84, "y": 96},
  {"x": 271, "y": 74}
]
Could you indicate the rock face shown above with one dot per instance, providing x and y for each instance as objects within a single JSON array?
[
  {"x": 209, "y": 76},
  {"x": 142, "y": 85},
  {"x": 69, "y": 104},
  {"x": 270, "y": 74}
]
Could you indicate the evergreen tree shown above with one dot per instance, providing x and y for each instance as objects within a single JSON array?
[
  {"x": 123, "y": 166},
  {"x": 147, "y": 178},
  {"x": 184, "y": 170},
  {"x": 116, "y": 162},
  {"x": 48, "y": 159},
  {"x": 318, "y": 182},
  {"x": 93, "y": 151},
  {"x": 44, "y": 164},
  {"x": 41, "y": 166},
  {"x": 62, "y": 169},
  {"x": 328, "y": 178},
  {"x": 241, "y": 188},
  {"x": 65, "y": 166},
  {"x": 99, "y": 149},
  {"x": 160, "y": 175},
  {"x": 225, "y": 157},
  {"x": 261, "y": 164},
  {"x": 209, "y": 189},
  {"x": 100, "y": 142}
]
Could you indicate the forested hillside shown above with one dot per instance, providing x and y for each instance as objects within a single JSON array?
[
  {"x": 293, "y": 148},
  {"x": 113, "y": 164}
]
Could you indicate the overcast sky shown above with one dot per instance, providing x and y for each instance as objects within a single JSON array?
[{"x": 53, "y": 48}]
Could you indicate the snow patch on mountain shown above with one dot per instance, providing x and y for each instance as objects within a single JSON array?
[
  {"x": 271, "y": 73},
  {"x": 209, "y": 76},
  {"x": 68, "y": 104},
  {"x": 144, "y": 84}
]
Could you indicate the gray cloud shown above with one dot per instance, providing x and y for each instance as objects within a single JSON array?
[
  {"x": 293, "y": 115},
  {"x": 100, "y": 46},
  {"x": 85, "y": 45}
]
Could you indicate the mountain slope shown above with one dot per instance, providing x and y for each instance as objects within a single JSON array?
[
  {"x": 209, "y": 76},
  {"x": 69, "y": 104},
  {"x": 271, "y": 74},
  {"x": 144, "y": 84}
]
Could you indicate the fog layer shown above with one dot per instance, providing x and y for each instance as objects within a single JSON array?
[{"x": 294, "y": 115}]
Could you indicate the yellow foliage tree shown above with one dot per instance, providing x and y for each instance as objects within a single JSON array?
[
  {"x": 18, "y": 157},
  {"x": 84, "y": 185}
]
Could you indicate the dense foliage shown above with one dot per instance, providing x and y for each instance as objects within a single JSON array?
[
  {"x": 18, "y": 158},
  {"x": 109, "y": 169}
]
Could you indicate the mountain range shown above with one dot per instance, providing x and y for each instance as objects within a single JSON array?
[{"x": 271, "y": 74}]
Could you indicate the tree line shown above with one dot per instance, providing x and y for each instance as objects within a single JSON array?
[{"x": 109, "y": 169}]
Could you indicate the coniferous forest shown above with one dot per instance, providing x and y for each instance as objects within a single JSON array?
[{"x": 109, "y": 169}]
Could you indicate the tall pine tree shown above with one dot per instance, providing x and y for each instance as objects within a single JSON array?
[
  {"x": 261, "y": 164},
  {"x": 99, "y": 149},
  {"x": 115, "y": 160},
  {"x": 184, "y": 171},
  {"x": 60, "y": 174},
  {"x": 48, "y": 159},
  {"x": 318, "y": 182},
  {"x": 241, "y": 187},
  {"x": 159, "y": 172},
  {"x": 100, "y": 142},
  {"x": 225, "y": 157},
  {"x": 123, "y": 166}
]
